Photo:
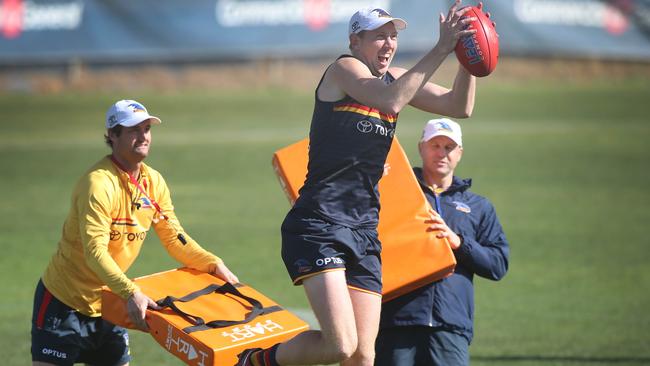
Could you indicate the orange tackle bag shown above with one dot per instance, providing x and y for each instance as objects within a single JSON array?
[
  {"x": 206, "y": 321},
  {"x": 411, "y": 256}
]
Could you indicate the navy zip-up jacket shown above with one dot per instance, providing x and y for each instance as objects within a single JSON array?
[{"x": 449, "y": 303}]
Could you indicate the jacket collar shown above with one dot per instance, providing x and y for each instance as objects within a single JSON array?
[
  {"x": 457, "y": 184},
  {"x": 144, "y": 170}
]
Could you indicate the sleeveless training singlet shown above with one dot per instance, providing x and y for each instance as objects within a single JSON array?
[{"x": 349, "y": 142}]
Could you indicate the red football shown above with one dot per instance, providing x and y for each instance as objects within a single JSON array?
[{"x": 479, "y": 52}]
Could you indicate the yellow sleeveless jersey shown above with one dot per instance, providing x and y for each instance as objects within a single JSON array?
[{"x": 108, "y": 221}]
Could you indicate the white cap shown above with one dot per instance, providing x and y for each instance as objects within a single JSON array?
[
  {"x": 371, "y": 19},
  {"x": 128, "y": 113},
  {"x": 442, "y": 127}
]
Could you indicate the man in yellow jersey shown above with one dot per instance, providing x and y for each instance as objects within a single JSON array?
[{"x": 113, "y": 206}]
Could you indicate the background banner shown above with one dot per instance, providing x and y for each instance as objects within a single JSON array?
[{"x": 42, "y": 32}]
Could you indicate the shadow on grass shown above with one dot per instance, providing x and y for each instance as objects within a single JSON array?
[{"x": 568, "y": 359}]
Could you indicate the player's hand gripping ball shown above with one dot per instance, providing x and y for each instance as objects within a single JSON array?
[{"x": 479, "y": 52}]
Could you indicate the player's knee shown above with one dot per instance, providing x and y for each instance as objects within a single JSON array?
[
  {"x": 363, "y": 357},
  {"x": 341, "y": 354},
  {"x": 342, "y": 350},
  {"x": 347, "y": 349}
]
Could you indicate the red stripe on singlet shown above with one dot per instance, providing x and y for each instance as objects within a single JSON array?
[{"x": 47, "y": 297}]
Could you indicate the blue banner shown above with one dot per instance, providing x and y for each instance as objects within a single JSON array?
[
  {"x": 55, "y": 31},
  {"x": 575, "y": 28}
]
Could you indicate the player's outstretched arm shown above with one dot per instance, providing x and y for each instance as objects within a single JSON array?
[
  {"x": 457, "y": 102},
  {"x": 353, "y": 78}
]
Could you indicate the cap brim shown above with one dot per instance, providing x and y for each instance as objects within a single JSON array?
[
  {"x": 136, "y": 121},
  {"x": 399, "y": 23},
  {"x": 446, "y": 134},
  {"x": 155, "y": 120}
]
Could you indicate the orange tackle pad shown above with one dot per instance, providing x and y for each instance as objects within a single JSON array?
[
  {"x": 411, "y": 256},
  {"x": 203, "y": 298}
]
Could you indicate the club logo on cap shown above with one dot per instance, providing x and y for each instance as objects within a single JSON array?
[
  {"x": 136, "y": 107},
  {"x": 381, "y": 13},
  {"x": 443, "y": 126}
]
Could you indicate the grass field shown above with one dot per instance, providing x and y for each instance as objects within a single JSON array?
[{"x": 565, "y": 165}]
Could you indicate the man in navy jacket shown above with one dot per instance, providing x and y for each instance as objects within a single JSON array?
[{"x": 433, "y": 325}]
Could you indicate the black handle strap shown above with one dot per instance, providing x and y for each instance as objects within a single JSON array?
[{"x": 199, "y": 324}]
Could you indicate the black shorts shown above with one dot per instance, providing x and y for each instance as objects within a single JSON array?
[
  {"x": 311, "y": 245},
  {"x": 63, "y": 336},
  {"x": 420, "y": 345}
]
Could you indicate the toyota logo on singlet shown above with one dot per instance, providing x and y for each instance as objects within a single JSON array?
[
  {"x": 115, "y": 235},
  {"x": 364, "y": 126}
]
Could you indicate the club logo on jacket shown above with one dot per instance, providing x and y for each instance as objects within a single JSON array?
[
  {"x": 144, "y": 203},
  {"x": 462, "y": 207}
]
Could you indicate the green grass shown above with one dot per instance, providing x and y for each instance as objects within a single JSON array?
[{"x": 566, "y": 167}]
